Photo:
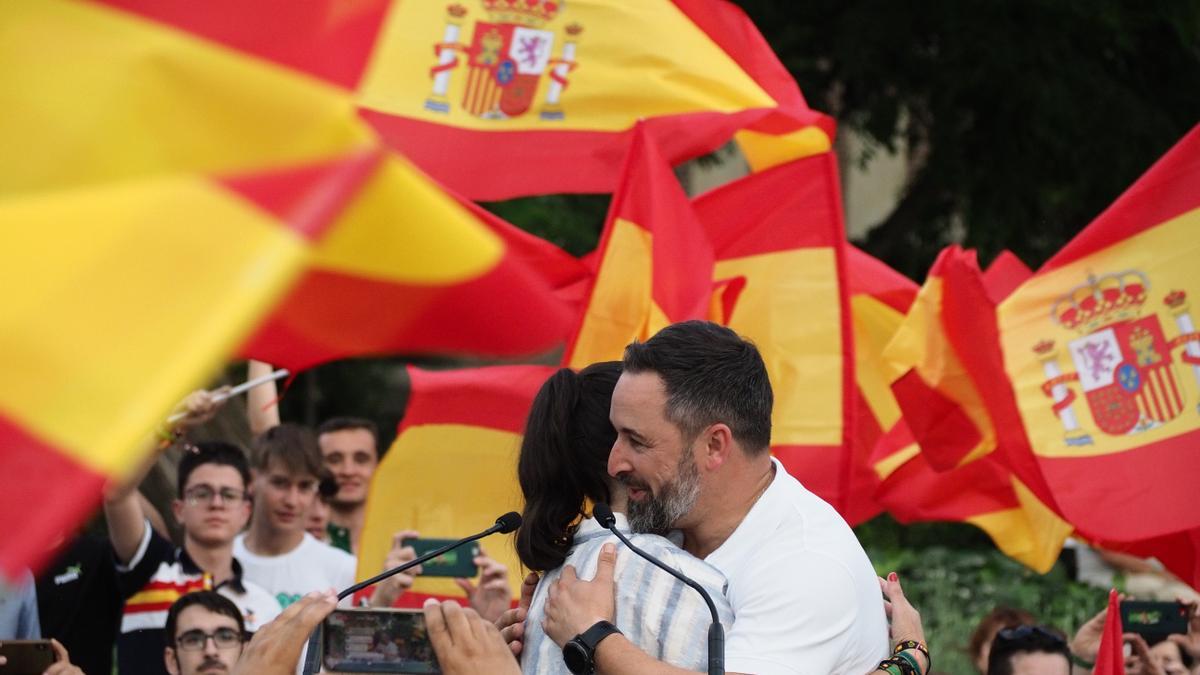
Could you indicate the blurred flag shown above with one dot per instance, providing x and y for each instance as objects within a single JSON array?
[
  {"x": 387, "y": 282},
  {"x": 452, "y": 469},
  {"x": 780, "y": 233},
  {"x": 167, "y": 194},
  {"x": 655, "y": 262},
  {"x": 122, "y": 297},
  {"x": 502, "y": 98}
]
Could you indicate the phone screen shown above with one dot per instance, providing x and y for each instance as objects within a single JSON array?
[
  {"x": 26, "y": 657},
  {"x": 1153, "y": 619},
  {"x": 377, "y": 641},
  {"x": 458, "y": 562}
]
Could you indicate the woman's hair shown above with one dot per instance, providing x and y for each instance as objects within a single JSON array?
[
  {"x": 564, "y": 460},
  {"x": 995, "y": 621}
]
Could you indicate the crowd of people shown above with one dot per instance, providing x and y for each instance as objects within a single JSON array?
[{"x": 674, "y": 439}]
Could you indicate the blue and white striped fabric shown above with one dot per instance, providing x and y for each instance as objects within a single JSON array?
[{"x": 655, "y": 611}]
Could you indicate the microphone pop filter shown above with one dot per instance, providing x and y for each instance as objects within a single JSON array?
[
  {"x": 603, "y": 514},
  {"x": 509, "y": 522}
]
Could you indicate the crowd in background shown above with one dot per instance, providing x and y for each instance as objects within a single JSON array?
[{"x": 278, "y": 524}]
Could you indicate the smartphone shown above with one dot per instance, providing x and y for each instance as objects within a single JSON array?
[
  {"x": 1154, "y": 619},
  {"x": 26, "y": 657},
  {"x": 458, "y": 562},
  {"x": 377, "y": 641}
]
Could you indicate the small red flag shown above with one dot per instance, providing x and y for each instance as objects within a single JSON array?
[{"x": 1111, "y": 658}]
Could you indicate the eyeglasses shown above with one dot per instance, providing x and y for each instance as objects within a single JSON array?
[
  {"x": 194, "y": 640},
  {"x": 204, "y": 494}
]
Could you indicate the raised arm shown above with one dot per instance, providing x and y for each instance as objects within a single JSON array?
[
  {"x": 122, "y": 504},
  {"x": 262, "y": 409}
]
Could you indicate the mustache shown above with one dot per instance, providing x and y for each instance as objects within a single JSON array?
[
  {"x": 210, "y": 663},
  {"x": 628, "y": 480}
]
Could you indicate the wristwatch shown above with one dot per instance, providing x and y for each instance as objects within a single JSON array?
[{"x": 580, "y": 652}]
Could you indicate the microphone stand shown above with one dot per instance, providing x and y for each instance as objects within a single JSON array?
[
  {"x": 716, "y": 632},
  {"x": 504, "y": 524}
]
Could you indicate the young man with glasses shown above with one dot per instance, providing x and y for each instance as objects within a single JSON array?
[
  {"x": 204, "y": 634},
  {"x": 277, "y": 551},
  {"x": 153, "y": 573}
]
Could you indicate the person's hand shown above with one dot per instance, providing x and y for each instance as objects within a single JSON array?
[
  {"x": 63, "y": 665},
  {"x": 388, "y": 590},
  {"x": 573, "y": 605},
  {"x": 276, "y": 647},
  {"x": 1140, "y": 662},
  {"x": 1190, "y": 643},
  {"x": 1086, "y": 643},
  {"x": 512, "y": 622},
  {"x": 904, "y": 619},
  {"x": 464, "y": 643},
  {"x": 200, "y": 407},
  {"x": 493, "y": 595}
]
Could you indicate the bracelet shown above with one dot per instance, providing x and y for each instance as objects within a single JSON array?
[
  {"x": 167, "y": 437},
  {"x": 917, "y": 645},
  {"x": 890, "y": 668},
  {"x": 1081, "y": 662},
  {"x": 904, "y": 666},
  {"x": 912, "y": 661}
]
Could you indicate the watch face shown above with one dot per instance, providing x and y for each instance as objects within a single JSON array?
[{"x": 576, "y": 657}]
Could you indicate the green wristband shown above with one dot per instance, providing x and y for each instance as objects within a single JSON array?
[{"x": 910, "y": 660}]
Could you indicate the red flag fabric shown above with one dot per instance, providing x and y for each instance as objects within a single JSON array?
[
  {"x": 1111, "y": 658},
  {"x": 655, "y": 262},
  {"x": 781, "y": 232}
]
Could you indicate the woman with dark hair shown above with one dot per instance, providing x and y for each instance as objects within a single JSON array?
[{"x": 563, "y": 469}]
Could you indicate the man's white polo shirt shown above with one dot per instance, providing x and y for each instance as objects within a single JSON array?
[{"x": 805, "y": 597}]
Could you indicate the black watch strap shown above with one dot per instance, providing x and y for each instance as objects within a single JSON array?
[
  {"x": 580, "y": 651},
  {"x": 599, "y": 630}
]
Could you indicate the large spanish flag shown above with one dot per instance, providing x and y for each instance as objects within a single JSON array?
[
  {"x": 453, "y": 467},
  {"x": 780, "y": 232},
  {"x": 164, "y": 187},
  {"x": 655, "y": 262},
  {"x": 1091, "y": 368},
  {"x": 501, "y": 98}
]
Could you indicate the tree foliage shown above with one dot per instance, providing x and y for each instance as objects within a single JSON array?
[{"x": 1026, "y": 117}]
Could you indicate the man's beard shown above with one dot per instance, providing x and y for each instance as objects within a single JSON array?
[{"x": 657, "y": 514}]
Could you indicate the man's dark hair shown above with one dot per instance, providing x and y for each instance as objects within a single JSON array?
[
  {"x": 350, "y": 423},
  {"x": 711, "y": 375},
  {"x": 212, "y": 452},
  {"x": 293, "y": 445},
  {"x": 210, "y": 600},
  {"x": 1024, "y": 640}
]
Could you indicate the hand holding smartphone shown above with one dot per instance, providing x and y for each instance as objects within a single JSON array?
[
  {"x": 377, "y": 641},
  {"x": 459, "y": 562},
  {"x": 26, "y": 657}
]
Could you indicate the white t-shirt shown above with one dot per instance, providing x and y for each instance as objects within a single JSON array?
[
  {"x": 805, "y": 597},
  {"x": 311, "y": 566}
]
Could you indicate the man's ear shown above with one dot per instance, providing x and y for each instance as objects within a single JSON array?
[
  {"x": 171, "y": 662},
  {"x": 718, "y": 443},
  {"x": 177, "y": 510}
]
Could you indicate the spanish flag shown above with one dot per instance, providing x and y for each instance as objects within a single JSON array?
[
  {"x": 951, "y": 474},
  {"x": 879, "y": 299},
  {"x": 780, "y": 233},
  {"x": 1091, "y": 368},
  {"x": 452, "y": 469},
  {"x": 169, "y": 192},
  {"x": 502, "y": 98},
  {"x": 655, "y": 262}
]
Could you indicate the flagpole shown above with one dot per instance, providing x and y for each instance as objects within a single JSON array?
[{"x": 240, "y": 389}]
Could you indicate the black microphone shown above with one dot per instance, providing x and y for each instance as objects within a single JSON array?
[
  {"x": 504, "y": 524},
  {"x": 716, "y": 632}
]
